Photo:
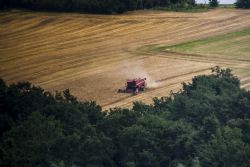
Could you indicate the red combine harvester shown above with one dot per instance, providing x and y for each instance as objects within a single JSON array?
[{"x": 134, "y": 86}]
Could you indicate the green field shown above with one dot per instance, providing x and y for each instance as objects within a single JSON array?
[
  {"x": 231, "y": 50},
  {"x": 233, "y": 45}
]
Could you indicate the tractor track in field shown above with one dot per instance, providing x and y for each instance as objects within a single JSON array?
[{"x": 93, "y": 55}]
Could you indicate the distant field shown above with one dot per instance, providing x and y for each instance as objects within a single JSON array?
[
  {"x": 232, "y": 48},
  {"x": 93, "y": 55},
  {"x": 233, "y": 45}
]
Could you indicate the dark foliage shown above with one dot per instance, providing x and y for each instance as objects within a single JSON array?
[
  {"x": 206, "y": 124},
  {"x": 213, "y": 3},
  {"x": 245, "y": 4},
  {"x": 94, "y": 6}
]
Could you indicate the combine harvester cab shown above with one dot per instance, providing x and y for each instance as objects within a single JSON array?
[{"x": 134, "y": 86}]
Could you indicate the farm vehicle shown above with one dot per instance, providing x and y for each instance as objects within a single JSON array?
[{"x": 134, "y": 86}]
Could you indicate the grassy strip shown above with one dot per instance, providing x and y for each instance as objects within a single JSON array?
[
  {"x": 227, "y": 6},
  {"x": 189, "y": 9},
  {"x": 190, "y": 45},
  {"x": 193, "y": 9}
]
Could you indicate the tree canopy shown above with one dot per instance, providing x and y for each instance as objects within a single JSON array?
[
  {"x": 205, "y": 124},
  {"x": 243, "y": 4},
  {"x": 94, "y": 6},
  {"x": 213, "y": 3}
]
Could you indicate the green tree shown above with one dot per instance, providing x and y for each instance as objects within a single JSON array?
[
  {"x": 243, "y": 4},
  {"x": 196, "y": 162},
  {"x": 213, "y": 3},
  {"x": 31, "y": 143},
  {"x": 225, "y": 149}
]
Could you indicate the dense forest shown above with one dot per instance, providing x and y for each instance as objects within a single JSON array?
[
  {"x": 94, "y": 6},
  {"x": 107, "y": 6},
  {"x": 207, "y": 123},
  {"x": 245, "y": 4}
]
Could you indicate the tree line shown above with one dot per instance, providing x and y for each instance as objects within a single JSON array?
[
  {"x": 93, "y": 6},
  {"x": 205, "y": 124},
  {"x": 245, "y": 4},
  {"x": 107, "y": 6}
]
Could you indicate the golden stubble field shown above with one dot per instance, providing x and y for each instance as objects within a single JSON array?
[{"x": 93, "y": 55}]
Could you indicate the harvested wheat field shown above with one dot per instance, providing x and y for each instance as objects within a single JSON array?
[{"x": 93, "y": 55}]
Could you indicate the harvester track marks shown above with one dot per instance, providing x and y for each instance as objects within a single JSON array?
[{"x": 142, "y": 95}]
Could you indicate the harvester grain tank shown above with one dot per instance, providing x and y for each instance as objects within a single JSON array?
[{"x": 134, "y": 86}]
